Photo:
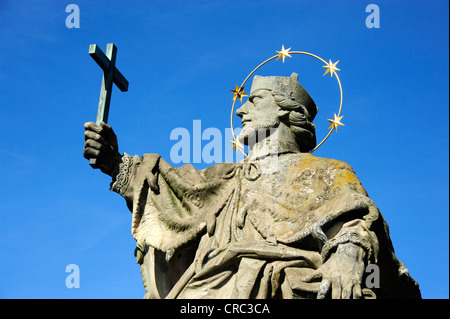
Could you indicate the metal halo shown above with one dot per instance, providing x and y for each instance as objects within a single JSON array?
[{"x": 280, "y": 55}]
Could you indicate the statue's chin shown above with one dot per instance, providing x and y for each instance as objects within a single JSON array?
[
  {"x": 247, "y": 133},
  {"x": 251, "y": 135}
]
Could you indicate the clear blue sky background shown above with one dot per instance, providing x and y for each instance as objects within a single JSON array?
[{"x": 181, "y": 59}]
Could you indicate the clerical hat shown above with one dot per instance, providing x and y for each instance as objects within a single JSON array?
[{"x": 287, "y": 85}]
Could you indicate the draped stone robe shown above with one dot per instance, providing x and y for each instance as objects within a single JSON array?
[{"x": 252, "y": 229}]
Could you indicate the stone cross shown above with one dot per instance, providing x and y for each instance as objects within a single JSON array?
[{"x": 110, "y": 75}]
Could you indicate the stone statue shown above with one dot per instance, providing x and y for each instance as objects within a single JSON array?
[{"x": 280, "y": 224}]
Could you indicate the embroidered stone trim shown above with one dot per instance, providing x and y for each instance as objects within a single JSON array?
[
  {"x": 122, "y": 178},
  {"x": 348, "y": 237}
]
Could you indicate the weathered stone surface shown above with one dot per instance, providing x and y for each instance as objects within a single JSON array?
[{"x": 281, "y": 224}]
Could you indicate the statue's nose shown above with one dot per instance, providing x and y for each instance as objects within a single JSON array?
[{"x": 242, "y": 110}]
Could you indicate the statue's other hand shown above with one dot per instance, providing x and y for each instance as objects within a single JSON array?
[
  {"x": 101, "y": 144},
  {"x": 341, "y": 274}
]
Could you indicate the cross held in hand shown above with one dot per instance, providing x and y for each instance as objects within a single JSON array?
[{"x": 110, "y": 75}]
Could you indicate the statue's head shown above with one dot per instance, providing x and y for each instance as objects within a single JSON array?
[{"x": 274, "y": 100}]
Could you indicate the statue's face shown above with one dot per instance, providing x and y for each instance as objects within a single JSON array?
[{"x": 260, "y": 112}]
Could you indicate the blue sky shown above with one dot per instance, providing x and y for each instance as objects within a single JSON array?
[{"x": 181, "y": 59}]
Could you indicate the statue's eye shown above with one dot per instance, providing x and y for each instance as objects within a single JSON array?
[{"x": 256, "y": 99}]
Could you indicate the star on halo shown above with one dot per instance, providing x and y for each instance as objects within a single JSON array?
[
  {"x": 238, "y": 93},
  {"x": 236, "y": 145},
  {"x": 331, "y": 68},
  {"x": 283, "y": 53},
  {"x": 336, "y": 122}
]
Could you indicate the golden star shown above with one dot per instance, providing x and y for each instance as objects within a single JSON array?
[
  {"x": 331, "y": 68},
  {"x": 283, "y": 53},
  {"x": 238, "y": 93},
  {"x": 236, "y": 145},
  {"x": 336, "y": 122}
]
